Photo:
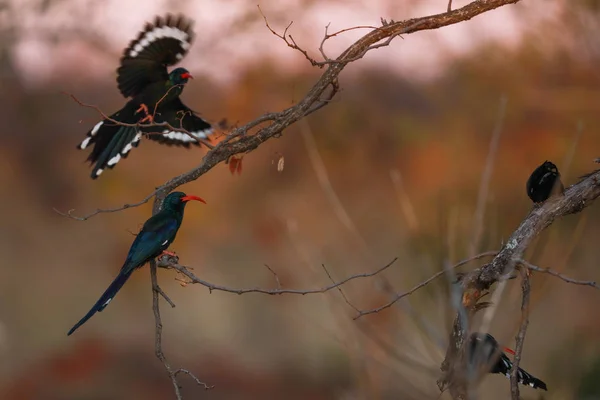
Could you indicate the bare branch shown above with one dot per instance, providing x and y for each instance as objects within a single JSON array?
[
  {"x": 291, "y": 42},
  {"x": 164, "y": 295},
  {"x": 424, "y": 283},
  {"x": 520, "y": 338},
  {"x": 565, "y": 278},
  {"x": 141, "y": 125},
  {"x": 575, "y": 199},
  {"x": 167, "y": 262},
  {"x": 274, "y": 276},
  {"x": 105, "y": 210},
  {"x": 237, "y": 141},
  {"x": 339, "y": 289},
  {"x": 312, "y": 101},
  {"x": 200, "y": 383},
  {"x": 158, "y": 331}
]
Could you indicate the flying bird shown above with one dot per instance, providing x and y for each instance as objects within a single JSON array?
[
  {"x": 544, "y": 182},
  {"x": 155, "y": 237},
  {"x": 154, "y": 96},
  {"x": 484, "y": 353}
]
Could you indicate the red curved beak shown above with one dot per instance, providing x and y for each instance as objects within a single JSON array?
[
  {"x": 510, "y": 351},
  {"x": 190, "y": 197},
  {"x": 186, "y": 75}
]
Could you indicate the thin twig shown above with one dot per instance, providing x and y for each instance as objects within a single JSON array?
[
  {"x": 164, "y": 295},
  {"x": 339, "y": 289},
  {"x": 158, "y": 351},
  {"x": 328, "y": 36},
  {"x": 275, "y": 276},
  {"x": 164, "y": 124},
  {"x": 565, "y": 278},
  {"x": 69, "y": 213},
  {"x": 214, "y": 287},
  {"x": 424, "y": 283},
  {"x": 520, "y": 338},
  {"x": 158, "y": 332},
  {"x": 198, "y": 381}
]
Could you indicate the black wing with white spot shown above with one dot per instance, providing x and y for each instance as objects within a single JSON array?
[
  {"x": 484, "y": 352},
  {"x": 161, "y": 44},
  {"x": 504, "y": 365},
  {"x": 178, "y": 115}
]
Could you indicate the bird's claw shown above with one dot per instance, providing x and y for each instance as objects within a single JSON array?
[
  {"x": 183, "y": 281},
  {"x": 148, "y": 118}
]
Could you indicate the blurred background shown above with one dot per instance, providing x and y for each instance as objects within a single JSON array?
[{"x": 392, "y": 168}]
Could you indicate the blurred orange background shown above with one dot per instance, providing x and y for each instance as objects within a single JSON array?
[{"x": 392, "y": 168}]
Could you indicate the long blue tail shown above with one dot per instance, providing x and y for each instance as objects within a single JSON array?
[{"x": 108, "y": 295}]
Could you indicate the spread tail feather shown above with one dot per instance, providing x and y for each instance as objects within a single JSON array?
[
  {"x": 529, "y": 380},
  {"x": 525, "y": 378},
  {"x": 112, "y": 141},
  {"x": 108, "y": 295}
]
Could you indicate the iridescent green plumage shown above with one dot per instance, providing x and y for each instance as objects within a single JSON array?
[{"x": 156, "y": 235}]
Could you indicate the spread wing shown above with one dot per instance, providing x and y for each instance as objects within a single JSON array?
[
  {"x": 161, "y": 44},
  {"x": 178, "y": 115}
]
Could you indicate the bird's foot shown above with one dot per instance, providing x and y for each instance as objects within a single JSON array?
[
  {"x": 143, "y": 108},
  {"x": 149, "y": 117},
  {"x": 184, "y": 281},
  {"x": 166, "y": 259}
]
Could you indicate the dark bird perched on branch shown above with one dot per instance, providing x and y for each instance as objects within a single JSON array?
[
  {"x": 485, "y": 354},
  {"x": 544, "y": 182},
  {"x": 154, "y": 96},
  {"x": 155, "y": 237}
]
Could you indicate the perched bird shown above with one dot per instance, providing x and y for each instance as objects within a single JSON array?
[
  {"x": 155, "y": 237},
  {"x": 154, "y": 92},
  {"x": 544, "y": 182},
  {"x": 484, "y": 353}
]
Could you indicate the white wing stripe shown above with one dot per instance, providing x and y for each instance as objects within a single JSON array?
[
  {"x": 129, "y": 145},
  {"x": 157, "y": 33},
  {"x": 114, "y": 160},
  {"x": 183, "y": 137},
  {"x": 85, "y": 143},
  {"x": 96, "y": 128}
]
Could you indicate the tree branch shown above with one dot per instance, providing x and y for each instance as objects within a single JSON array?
[
  {"x": 575, "y": 199},
  {"x": 166, "y": 261},
  {"x": 423, "y": 284},
  {"x": 165, "y": 124},
  {"x": 238, "y": 141},
  {"x": 565, "y": 278},
  {"x": 520, "y": 338}
]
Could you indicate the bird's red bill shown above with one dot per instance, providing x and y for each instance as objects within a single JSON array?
[
  {"x": 186, "y": 75},
  {"x": 190, "y": 197},
  {"x": 510, "y": 351}
]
